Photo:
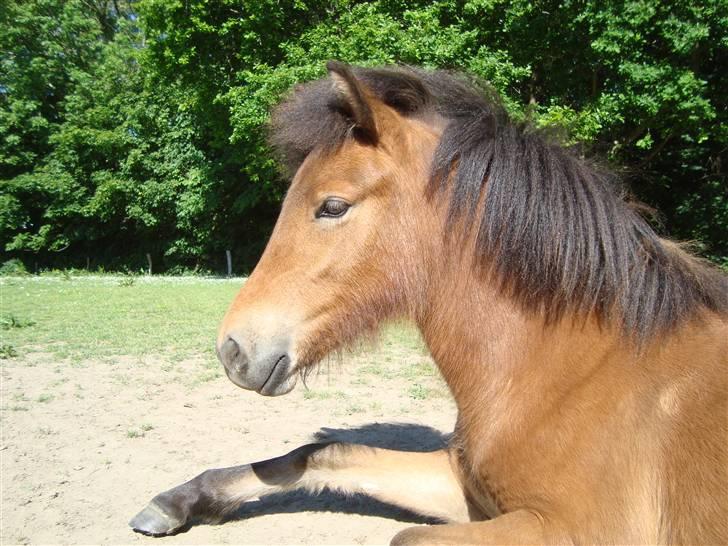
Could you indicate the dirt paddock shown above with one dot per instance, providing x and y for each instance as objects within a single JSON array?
[{"x": 86, "y": 444}]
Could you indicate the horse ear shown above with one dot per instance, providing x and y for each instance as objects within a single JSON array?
[{"x": 354, "y": 100}]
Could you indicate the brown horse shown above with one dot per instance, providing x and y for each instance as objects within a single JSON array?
[{"x": 587, "y": 356}]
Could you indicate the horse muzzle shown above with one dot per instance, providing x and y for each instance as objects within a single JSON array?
[{"x": 267, "y": 371}]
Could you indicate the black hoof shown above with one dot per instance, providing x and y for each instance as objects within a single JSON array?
[{"x": 155, "y": 520}]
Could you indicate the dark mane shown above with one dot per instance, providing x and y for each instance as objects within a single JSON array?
[{"x": 555, "y": 228}]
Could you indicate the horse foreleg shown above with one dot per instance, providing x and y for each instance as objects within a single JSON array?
[
  {"x": 425, "y": 483},
  {"x": 518, "y": 527}
]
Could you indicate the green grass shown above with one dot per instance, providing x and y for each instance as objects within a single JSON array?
[
  {"x": 423, "y": 368},
  {"x": 419, "y": 392},
  {"x": 7, "y": 351},
  {"x": 311, "y": 394},
  {"x": 77, "y": 319},
  {"x": 11, "y": 321},
  {"x": 133, "y": 433},
  {"x": 96, "y": 317}
]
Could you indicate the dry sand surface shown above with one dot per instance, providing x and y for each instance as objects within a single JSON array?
[{"x": 86, "y": 444}]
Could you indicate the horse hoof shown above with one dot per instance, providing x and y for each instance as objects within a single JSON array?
[{"x": 155, "y": 520}]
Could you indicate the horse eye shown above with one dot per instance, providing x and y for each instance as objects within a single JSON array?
[{"x": 332, "y": 208}]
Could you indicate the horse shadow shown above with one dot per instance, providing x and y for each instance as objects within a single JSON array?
[{"x": 399, "y": 436}]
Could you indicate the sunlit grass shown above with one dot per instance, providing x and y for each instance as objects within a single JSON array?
[
  {"x": 85, "y": 317},
  {"x": 81, "y": 319}
]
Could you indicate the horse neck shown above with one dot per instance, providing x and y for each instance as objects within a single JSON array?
[{"x": 501, "y": 362}]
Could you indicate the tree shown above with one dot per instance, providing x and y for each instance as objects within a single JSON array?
[{"x": 134, "y": 127}]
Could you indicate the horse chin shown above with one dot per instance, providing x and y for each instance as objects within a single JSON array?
[
  {"x": 281, "y": 379},
  {"x": 271, "y": 388},
  {"x": 279, "y": 389}
]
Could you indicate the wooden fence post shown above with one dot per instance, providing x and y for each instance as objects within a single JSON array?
[
  {"x": 149, "y": 261},
  {"x": 229, "y": 257}
]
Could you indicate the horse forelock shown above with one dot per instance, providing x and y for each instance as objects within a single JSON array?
[{"x": 554, "y": 227}]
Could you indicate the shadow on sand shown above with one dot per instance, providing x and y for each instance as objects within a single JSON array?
[{"x": 400, "y": 436}]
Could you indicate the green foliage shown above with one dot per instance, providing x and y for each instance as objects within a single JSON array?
[
  {"x": 135, "y": 127},
  {"x": 127, "y": 280},
  {"x": 7, "y": 351},
  {"x": 11, "y": 321},
  {"x": 13, "y": 267},
  {"x": 44, "y": 45}
]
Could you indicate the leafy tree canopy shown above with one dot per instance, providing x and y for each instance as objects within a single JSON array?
[{"x": 132, "y": 127}]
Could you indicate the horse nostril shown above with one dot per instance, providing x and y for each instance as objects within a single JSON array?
[{"x": 230, "y": 354}]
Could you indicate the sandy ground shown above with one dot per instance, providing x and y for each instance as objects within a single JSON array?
[{"x": 85, "y": 445}]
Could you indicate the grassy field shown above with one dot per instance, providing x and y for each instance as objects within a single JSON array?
[
  {"x": 78, "y": 319},
  {"x": 96, "y": 317}
]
